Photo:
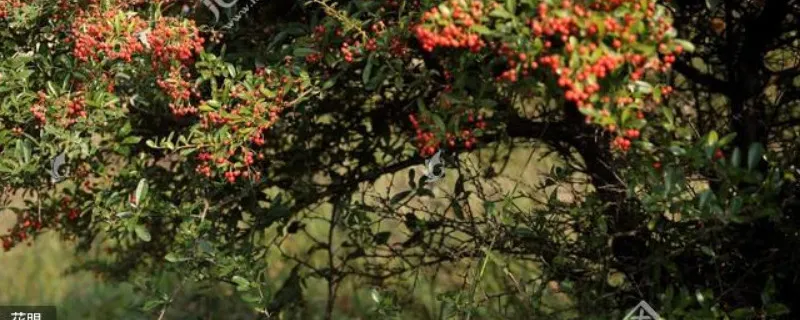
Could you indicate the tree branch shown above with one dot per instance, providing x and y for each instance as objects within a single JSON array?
[{"x": 711, "y": 83}]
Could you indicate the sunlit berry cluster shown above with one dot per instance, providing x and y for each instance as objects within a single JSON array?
[
  {"x": 115, "y": 35},
  {"x": 99, "y": 35},
  {"x": 458, "y": 17},
  {"x": 174, "y": 40},
  {"x": 251, "y": 109},
  {"x": 579, "y": 46}
]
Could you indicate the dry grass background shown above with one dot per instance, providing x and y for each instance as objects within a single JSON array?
[{"x": 36, "y": 275}]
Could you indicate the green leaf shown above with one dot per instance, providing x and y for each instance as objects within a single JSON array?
[
  {"x": 669, "y": 179},
  {"x": 736, "y": 205},
  {"x": 131, "y": 140},
  {"x": 205, "y": 247},
  {"x": 776, "y": 309},
  {"x": 26, "y": 151},
  {"x": 712, "y": 138},
  {"x": 669, "y": 115},
  {"x": 152, "y": 304},
  {"x": 18, "y": 151},
  {"x": 205, "y": 107},
  {"x": 657, "y": 96},
  {"x": 705, "y": 197},
  {"x": 242, "y": 282},
  {"x": 676, "y": 150},
  {"x": 712, "y": 4},
  {"x": 708, "y": 251},
  {"x": 626, "y": 114},
  {"x": 726, "y": 139},
  {"x": 439, "y": 122},
  {"x": 444, "y": 10},
  {"x": 481, "y": 29},
  {"x": 644, "y": 87},
  {"x": 329, "y": 83},
  {"x": 171, "y": 257},
  {"x": 142, "y": 233},
  {"x": 365, "y": 75},
  {"x": 501, "y": 12},
  {"x": 231, "y": 70},
  {"x": 687, "y": 46},
  {"x": 736, "y": 158},
  {"x": 302, "y": 52},
  {"x": 699, "y": 296},
  {"x": 141, "y": 190},
  {"x": 754, "y": 155},
  {"x": 376, "y": 296},
  {"x": 511, "y": 5},
  {"x": 743, "y": 313},
  {"x": 126, "y": 129}
]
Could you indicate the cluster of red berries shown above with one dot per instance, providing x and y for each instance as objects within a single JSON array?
[
  {"x": 73, "y": 106},
  {"x": 349, "y": 48},
  {"x": 314, "y": 57},
  {"x": 173, "y": 44},
  {"x": 95, "y": 36},
  {"x": 170, "y": 45},
  {"x": 568, "y": 30},
  {"x": 427, "y": 142},
  {"x": 173, "y": 40},
  {"x": 251, "y": 111},
  {"x": 20, "y": 233},
  {"x": 348, "y": 52},
  {"x": 7, "y": 5},
  {"x": 28, "y": 227},
  {"x": 398, "y": 48},
  {"x": 39, "y": 108},
  {"x": 179, "y": 90},
  {"x": 458, "y": 20},
  {"x": 208, "y": 164}
]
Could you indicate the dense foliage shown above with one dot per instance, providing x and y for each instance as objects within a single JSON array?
[{"x": 257, "y": 145}]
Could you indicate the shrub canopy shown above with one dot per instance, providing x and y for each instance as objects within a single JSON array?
[{"x": 275, "y": 146}]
